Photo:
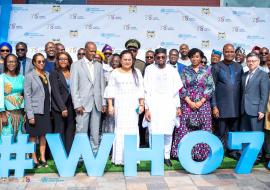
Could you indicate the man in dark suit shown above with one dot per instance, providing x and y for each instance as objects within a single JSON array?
[
  {"x": 255, "y": 91},
  {"x": 134, "y": 45},
  {"x": 226, "y": 99},
  {"x": 25, "y": 63},
  {"x": 50, "y": 51},
  {"x": 173, "y": 60}
]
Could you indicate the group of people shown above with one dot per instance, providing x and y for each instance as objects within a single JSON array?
[{"x": 171, "y": 94}]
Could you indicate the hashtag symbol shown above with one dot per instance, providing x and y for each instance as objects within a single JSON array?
[{"x": 13, "y": 155}]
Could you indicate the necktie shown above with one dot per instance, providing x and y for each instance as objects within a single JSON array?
[{"x": 250, "y": 76}]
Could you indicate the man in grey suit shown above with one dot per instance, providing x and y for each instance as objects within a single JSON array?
[
  {"x": 255, "y": 91},
  {"x": 87, "y": 89},
  {"x": 25, "y": 63}
]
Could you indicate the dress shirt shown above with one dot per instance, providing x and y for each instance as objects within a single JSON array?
[{"x": 90, "y": 66}]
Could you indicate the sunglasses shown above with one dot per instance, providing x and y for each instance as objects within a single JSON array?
[
  {"x": 39, "y": 62},
  {"x": 20, "y": 49},
  {"x": 149, "y": 57},
  {"x": 5, "y": 50},
  {"x": 108, "y": 53},
  {"x": 81, "y": 53}
]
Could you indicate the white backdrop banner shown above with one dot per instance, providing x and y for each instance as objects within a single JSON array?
[{"x": 206, "y": 28}]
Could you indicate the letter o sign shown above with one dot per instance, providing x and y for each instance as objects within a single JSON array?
[{"x": 211, "y": 163}]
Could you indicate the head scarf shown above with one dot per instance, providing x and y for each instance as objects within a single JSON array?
[
  {"x": 216, "y": 52},
  {"x": 240, "y": 50},
  {"x": 100, "y": 55},
  {"x": 106, "y": 48},
  {"x": 256, "y": 48},
  {"x": 7, "y": 45}
]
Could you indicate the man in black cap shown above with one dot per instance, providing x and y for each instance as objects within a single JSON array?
[
  {"x": 162, "y": 104},
  {"x": 134, "y": 45}
]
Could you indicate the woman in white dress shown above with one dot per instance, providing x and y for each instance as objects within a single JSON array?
[{"x": 125, "y": 88}]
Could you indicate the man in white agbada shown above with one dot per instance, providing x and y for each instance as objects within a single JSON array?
[{"x": 162, "y": 103}]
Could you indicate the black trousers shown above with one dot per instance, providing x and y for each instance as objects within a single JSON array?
[
  {"x": 65, "y": 126},
  {"x": 226, "y": 125},
  {"x": 251, "y": 123},
  {"x": 144, "y": 135}
]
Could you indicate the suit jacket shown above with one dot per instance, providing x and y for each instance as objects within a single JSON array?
[
  {"x": 227, "y": 89},
  {"x": 34, "y": 94},
  {"x": 255, "y": 93},
  {"x": 267, "y": 121},
  {"x": 139, "y": 64},
  {"x": 180, "y": 67},
  {"x": 60, "y": 91},
  {"x": 28, "y": 66},
  {"x": 84, "y": 91}
]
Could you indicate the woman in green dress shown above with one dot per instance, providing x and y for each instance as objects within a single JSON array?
[{"x": 12, "y": 117}]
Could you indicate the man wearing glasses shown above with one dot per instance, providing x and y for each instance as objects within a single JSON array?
[
  {"x": 263, "y": 56},
  {"x": 25, "y": 63},
  {"x": 173, "y": 60},
  {"x": 149, "y": 58},
  {"x": 255, "y": 91},
  {"x": 134, "y": 45},
  {"x": 162, "y": 104},
  {"x": 80, "y": 53}
]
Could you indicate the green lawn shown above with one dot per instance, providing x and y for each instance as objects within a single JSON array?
[{"x": 227, "y": 163}]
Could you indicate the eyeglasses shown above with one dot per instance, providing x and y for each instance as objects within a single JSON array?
[
  {"x": 81, "y": 54},
  {"x": 149, "y": 57},
  {"x": 39, "y": 62},
  {"x": 5, "y": 50},
  {"x": 20, "y": 49},
  {"x": 63, "y": 59},
  {"x": 161, "y": 57},
  {"x": 264, "y": 53},
  {"x": 252, "y": 61},
  {"x": 107, "y": 53},
  {"x": 11, "y": 61}
]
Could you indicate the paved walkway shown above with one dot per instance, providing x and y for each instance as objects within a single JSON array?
[{"x": 221, "y": 179}]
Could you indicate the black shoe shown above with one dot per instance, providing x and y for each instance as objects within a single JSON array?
[
  {"x": 80, "y": 164},
  {"x": 44, "y": 164},
  {"x": 175, "y": 158},
  {"x": 36, "y": 165},
  {"x": 235, "y": 155},
  {"x": 257, "y": 162},
  {"x": 168, "y": 162}
]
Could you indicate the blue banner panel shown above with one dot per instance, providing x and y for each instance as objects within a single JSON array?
[{"x": 5, "y": 10}]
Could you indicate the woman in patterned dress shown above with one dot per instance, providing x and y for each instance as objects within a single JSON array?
[
  {"x": 195, "y": 104},
  {"x": 12, "y": 97}
]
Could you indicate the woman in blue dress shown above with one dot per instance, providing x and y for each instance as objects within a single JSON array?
[{"x": 12, "y": 98}]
